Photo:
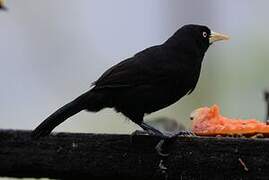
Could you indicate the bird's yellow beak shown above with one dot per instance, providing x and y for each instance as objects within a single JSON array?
[
  {"x": 214, "y": 36},
  {"x": 2, "y": 5}
]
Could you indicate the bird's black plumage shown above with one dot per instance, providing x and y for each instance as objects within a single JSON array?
[{"x": 150, "y": 80}]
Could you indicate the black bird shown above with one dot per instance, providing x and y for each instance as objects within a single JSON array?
[{"x": 149, "y": 81}]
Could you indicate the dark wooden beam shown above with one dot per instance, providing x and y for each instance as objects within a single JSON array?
[{"x": 68, "y": 156}]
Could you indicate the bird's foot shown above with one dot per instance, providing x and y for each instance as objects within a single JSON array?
[
  {"x": 166, "y": 139},
  {"x": 170, "y": 139},
  {"x": 151, "y": 130},
  {"x": 184, "y": 134}
]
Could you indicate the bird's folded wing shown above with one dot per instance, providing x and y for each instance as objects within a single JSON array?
[
  {"x": 120, "y": 75},
  {"x": 150, "y": 66}
]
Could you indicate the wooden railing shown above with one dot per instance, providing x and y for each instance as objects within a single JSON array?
[{"x": 70, "y": 156}]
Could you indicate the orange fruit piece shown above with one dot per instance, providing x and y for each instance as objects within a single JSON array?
[{"x": 207, "y": 121}]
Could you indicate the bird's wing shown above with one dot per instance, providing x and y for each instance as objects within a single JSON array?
[
  {"x": 143, "y": 68},
  {"x": 195, "y": 78},
  {"x": 119, "y": 75}
]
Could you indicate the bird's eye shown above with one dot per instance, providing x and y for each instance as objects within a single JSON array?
[{"x": 204, "y": 34}]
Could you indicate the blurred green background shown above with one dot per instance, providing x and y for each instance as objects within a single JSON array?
[{"x": 51, "y": 51}]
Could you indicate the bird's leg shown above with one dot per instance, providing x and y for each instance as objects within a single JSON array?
[
  {"x": 151, "y": 130},
  {"x": 138, "y": 119},
  {"x": 165, "y": 138},
  {"x": 165, "y": 141}
]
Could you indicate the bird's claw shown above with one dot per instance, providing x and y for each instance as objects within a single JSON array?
[
  {"x": 184, "y": 134},
  {"x": 159, "y": 149},
  {"x": 164, "y": 137},
  {"x": 159, "y": 146}
]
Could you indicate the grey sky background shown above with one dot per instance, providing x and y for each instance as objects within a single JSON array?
[{"x": 51, "y": 51}]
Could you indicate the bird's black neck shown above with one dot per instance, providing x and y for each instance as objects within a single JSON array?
[{"x": 193, "y": 56}]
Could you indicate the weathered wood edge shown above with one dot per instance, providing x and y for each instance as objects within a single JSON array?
[{"x": 73, "y": 155}]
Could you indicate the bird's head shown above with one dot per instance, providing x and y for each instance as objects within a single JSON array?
[{"x": 195, "y": 37}]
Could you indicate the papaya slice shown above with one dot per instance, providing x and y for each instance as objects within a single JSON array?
[{"x": 207, "y": 121}]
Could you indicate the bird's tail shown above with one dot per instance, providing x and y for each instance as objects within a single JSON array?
[{"x": 68, "y": 110}]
